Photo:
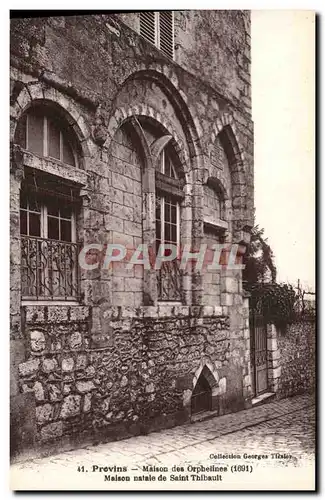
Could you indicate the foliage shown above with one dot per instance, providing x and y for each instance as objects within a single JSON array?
[
  {"x": 275, "y": 301},
  {"x": 259, "y": 259}
]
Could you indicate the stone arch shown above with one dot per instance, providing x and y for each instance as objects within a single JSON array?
[
  {"x": 217, "y": 184},
  {"x": 225, "y": 124},
  {"x": 205, "y": 377},
  {"x": 131, "y": 114},
  {"x": 36, "y": 93},
  {"x": 225, "y": 129},
  {"x": 210, "y": 374},
  {"x": 165, "y": 77}
]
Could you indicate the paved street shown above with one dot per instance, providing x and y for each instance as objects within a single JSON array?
[{"x": 214, "y": 448}]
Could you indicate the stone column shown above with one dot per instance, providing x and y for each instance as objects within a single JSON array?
[
  {"x": 247, "y": 368},
  {"x": 273, "y": 359},
  {"x": 150, "y": 295},
  {"x": 197, "y": 232},
  {"x": 16, "y": 176}
]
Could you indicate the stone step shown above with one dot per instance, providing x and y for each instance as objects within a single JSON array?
[
  {"x": 266, "y": 397},
  {"x": 204, "y": 415}
]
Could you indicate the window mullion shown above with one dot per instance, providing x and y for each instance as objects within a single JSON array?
[
  {"x": 61, "y": 146},
  {"x": 27, "y": 126},
  {"x": 162, "y": 217},
  {"x": 73, "y": 228},
  {"x": 45, "y": 143},
  {"x": 27, "y": 217},
  {"x": 178, "y": 226},
  {"x": 44, "y": 227}
]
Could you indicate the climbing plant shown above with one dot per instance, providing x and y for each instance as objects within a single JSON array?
[{"x": 275, "y": 301}]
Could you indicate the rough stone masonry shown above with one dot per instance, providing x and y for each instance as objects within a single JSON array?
[{"x": 117, "y": 360}]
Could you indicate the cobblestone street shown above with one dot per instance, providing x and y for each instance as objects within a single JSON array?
[{"x": 286, "y": 428}]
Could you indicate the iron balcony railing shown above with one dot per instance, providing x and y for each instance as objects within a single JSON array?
[
  {"x": 49, "y": 269},
  {"x": 169, "y": 280}
]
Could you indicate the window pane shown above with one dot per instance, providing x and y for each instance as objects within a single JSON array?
[
  {"x": 53, "y": 139},
  {"x": 166, "y": 210},
  {"x": 33, "y": 204},
  {"x": 173, "y": 214},
  {"x": 167, "y": 232},
  {"x": 158, "y": 229},
  {"x": 34, "y": 224},
  {"x": 174, "y": 233},
  {"x": 23, "y": 222},
  {"x": 65, "y": 211},
  {"x": 35, "y": 133},
  {"x": 67, "y": 153},
  {"x": 53, "y": 207},
  {"x": 53, "y": 232},
  {"x": 65, "y": 230},
  {"x": 23, "y": 200}
]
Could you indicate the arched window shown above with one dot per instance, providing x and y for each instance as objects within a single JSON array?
[
  {"x": 45, "y": 134},
  {"x": 48, "y": 210},
  {"x": 212, "y": 204},
  {"x": 167, "y": 205},
  {"x": 169, "y": 195}
]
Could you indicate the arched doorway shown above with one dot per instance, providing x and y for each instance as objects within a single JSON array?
[{"x": 202, "y": 395}]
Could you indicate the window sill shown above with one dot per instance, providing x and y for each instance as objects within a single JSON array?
[
  {"x": 55, "y": 167},
  {"x": 217, "y": 225},
  {"x": 169, "y": 303},
  {"x": 50, "y": 303}
]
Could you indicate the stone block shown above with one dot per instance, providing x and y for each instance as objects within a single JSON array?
[
  {"x": 222, "y": 385},
  {"x": 38, "y": 391},
  {"x": 56, "y": 314},
  {"x": 29, "y": 368},
  {"x": 122, "y": 183},
  {"x": 49, "y": 365},
  {"x": 272, "y": 344},
  {"x": 67, "y": 364},
  {"x": 275, "y": 373},
  {"x": 51, "y": 431},
  {"x": 37, "y": 341},
  {"x": 70, "y": 406},
  {"x": 226, "y": 299},
  {"x": 75, "y": 340},
  {"x": 54, "y": 392},
  {"x": 82, "y": 386},
  {"x": 44, "y": 413},
  {"x": 150, "y": 388},
  {"x": 87, "y": 403}
]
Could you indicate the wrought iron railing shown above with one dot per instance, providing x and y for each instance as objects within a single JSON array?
[
  {"x": 169, "y": 280},
  {"x": 49, "y": 269}
]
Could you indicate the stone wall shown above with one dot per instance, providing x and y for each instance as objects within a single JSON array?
[
  {"x": 142, "y": 382},
  {"x": 108, "y": 365},
  {"x": 224, "y": 58},
  {"x": 298, "y": 358}
]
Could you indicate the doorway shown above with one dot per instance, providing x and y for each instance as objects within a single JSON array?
[{"x": 202, "y": 396}]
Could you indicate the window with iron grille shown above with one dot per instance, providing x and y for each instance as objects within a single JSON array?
[
  {"x": 158, "y": 28},
  {"x": 168, "y": 197},
  {"x": 49, "y": 252},
  {"x": 48, "y": 210}
]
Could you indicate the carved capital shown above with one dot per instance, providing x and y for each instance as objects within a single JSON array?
[
  {"x": 86, "y": 199},
  {"x": 99, "y": 128}
]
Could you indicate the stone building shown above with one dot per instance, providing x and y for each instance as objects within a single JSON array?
[{"x": 130, "y": 129}]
